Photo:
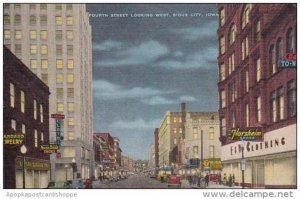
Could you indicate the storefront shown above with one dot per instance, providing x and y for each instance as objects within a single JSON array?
[
  {"x": 270, "y": 163},
  {"x": 36, "y": 173}
]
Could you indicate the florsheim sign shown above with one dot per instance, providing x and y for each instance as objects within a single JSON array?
[{"x": 247, "y": 134}]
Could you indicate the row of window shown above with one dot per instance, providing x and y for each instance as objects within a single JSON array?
[
  {"x": 60, "y": 93},
  {"x": 196, "y": 133},
  {"x": 34, "y": 63},
  {"x": 43, "y": 49},
  {"x": 43, "y": 35},
  {"x": 60, "y": 78},
  {"x": 58, "y": 7},
  {"x": 23, "y": 104},
  {"x": 245, "y": 16},
  {"x": 23, "y": 130},
  {"x": 211, "y": 151},
  {"x": 60, "y": 107},
  {"x": 33, "y": 20}
]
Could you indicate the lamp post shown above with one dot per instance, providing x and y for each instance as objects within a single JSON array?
[
  {"x": 243, "y": 165},
  {"x": 66, "y": 166},
  {"x": 74, "y": 167},
  {"x": 23, "y": 150}
]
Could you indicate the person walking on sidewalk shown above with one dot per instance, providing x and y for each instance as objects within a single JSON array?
[
  {"x": 206, "y": 180},
  {"x": 225, "y": 179}
]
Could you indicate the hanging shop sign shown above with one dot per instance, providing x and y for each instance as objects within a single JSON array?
[
  {"x": 247, "y": 134},
  {"x": 58, "y": 116},
  {"x": 33, "y": 164},
  {"x": 289, "y": 61},
  {"x": 51, "y": 148},
  {"x": 13, "y": 139}
]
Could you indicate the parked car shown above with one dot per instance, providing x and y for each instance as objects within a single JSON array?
[
  {"x": 88, "y": 184},
  {"x": 76, "y": 184},
  {"x": 174, "y": 181},
  {"x": 58, "y": 185},
  {"x": 213, "y": 177}
]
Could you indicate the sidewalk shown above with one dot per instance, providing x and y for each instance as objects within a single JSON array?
[{"x": 185, "y": 184}]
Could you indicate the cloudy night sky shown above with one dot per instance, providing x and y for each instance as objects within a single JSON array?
[{"x": 145, "y": 66}]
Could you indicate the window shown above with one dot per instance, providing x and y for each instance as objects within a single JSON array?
[
  {"x": 33, "y": 49},
  {"x": 195, "y": 150},
  {"x": 195, "y": 133},
  {"x": 247, "y": 81},
  {"x": 70, "y": 63},
  {"x": 175, "y": 141},
  {"x": 279, "y": 50},
  {"x": 70, "y": 106},
  {"x": 247, "y": 115},
  {"x": 180, "y": 130},
  {"x": 6, "y": 19},
  {"x": 34, "y": 109},
  {"x": 32, "y": 6},
  {"x": 32, "y": 20},
  {"x": 258, "y": 107},
  {"x": 43, "y": 6},
  {"x": 272, "y": 59},
  {"x": 42, "y": 137},
  {"x": 41, "y": 113},
  {"x": 44, "y": 63},
  {"x": 70, "y": 121},
  {"x": 257, "y": 31},
  {"x": 222, "y": 72},
  {"x": 233, "y": 119},
  {"x": 44, "y": 78},
  {"x": 22, "y": 101},
  {"x": 44, "y": 34},
  {"x": 281, "y": 103},
  {"x": 7, "y": 34},
  {"x": 222, "y": 45},
  {"x": 179, "y": 119},
  {"x": 70, "y": 20},
  {"x": 12, "y": 94},
  {"x": 17, "y": 6},
  {"x": 17, "y": 20},
  {"x": 33, "y": 34},
  {"x": 258, "y": 70},
  {"x": 6, "y": 6},
  {"x": 23, "y": 129},
  {"x": 33, "y": 63},
  {"x": 35, "y": 138},
  {"x": 59, "y": 63},
  {"x": 60, "y": 107},
  {"x": 44, "y": 49},
  {"x": 245, "y": 48},
  {"x": 70, "y": 78},
  {"x": 223, "y": 99},
  {"x": 223, "y": 127},
  {"x": 211, "y": 151},
  {"x": 59, "y": 50},
  {"x": 70, "y": 49},
  {"x": 18, "y": 34},
  {"x": 211, "y": 133},
  {"x": 58, "y": 20},
  {"x": 175, "y": 119},
  {"x": 232, "y": 34},
  {"x": 58, "y": 6},
  {"x": 58, "y": 35},
  {"x": 273, "y": 107},
  {"x": 59, "y": 78},
  {"x": 245, "y": 17},
  {"x": 70, "y": 35},
  {"x": 18, "y": 48},
  {"x": 222, "y": 17},
  {"x": 233, "y": 91},
  {"x": 175, "y": 130},
  {"x": 13, "y": 124},
  {"x": 290, "y": 41},
  {"x": 43, "y": 20},
  {"x": 69, "y": 6},
  {"x": 231, "y": 64},
  {"x": 292, "y": 102},
  {"x": 59, "y": 93},
  {"x": 70, "y": 93},
  {"x": 71, "y": 136}
]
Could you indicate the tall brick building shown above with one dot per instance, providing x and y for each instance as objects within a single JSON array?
[
  {"x": 26, "y": 112},
  {"x": 256, "y": 92}
]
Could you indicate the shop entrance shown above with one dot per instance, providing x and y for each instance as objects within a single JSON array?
[{"x": 259, "y": 175}]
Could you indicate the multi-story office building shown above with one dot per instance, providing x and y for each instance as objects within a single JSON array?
[
  {"x": 25, "y": 114},
  {"x": 156, "y": 150},
  {"x": 256, "y": 92},
  {"x": 117, "y": 153},
  {"x": 55, "y": 42}
]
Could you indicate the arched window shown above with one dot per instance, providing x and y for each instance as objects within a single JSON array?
[
  {"x": 17, "y": 20},
  {"x": 245, "y": 17},
  {"x": 290, "y": 41},
  {"x": 272, "y": 59},
  {"x": 232, "y": 34},
  {"x": 222, "y": 17},
  {"x": 279, "y": 49}
]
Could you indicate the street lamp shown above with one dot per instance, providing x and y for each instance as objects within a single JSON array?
[
  {"x": 23, "y": 150},
  {"x": 74, "y": 167},
  {"x": 243, "y": 165},
  {"x": 66, "y": 166}
]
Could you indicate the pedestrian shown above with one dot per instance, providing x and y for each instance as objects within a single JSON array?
[
  {"x": 233, "y": 180},
  {"x": 225, "y": 179},
  {"x": 220, "y": 178},
  {"x": 230, "y": 181},
  {"x": 206, "y": 180}
]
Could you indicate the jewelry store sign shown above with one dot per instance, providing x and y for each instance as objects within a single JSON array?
[
  {"x": 13, "y": 139},
  {"x": 248, "y": 134}
]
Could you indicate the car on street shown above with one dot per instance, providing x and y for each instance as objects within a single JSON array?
[
  {"x": 174, "y": 181},
  {"x": 88, "y": 183},
  {"x": 76, "y": 184},
  {"x": 213, "y": 177},
  {"x": 58, "y": 185}
]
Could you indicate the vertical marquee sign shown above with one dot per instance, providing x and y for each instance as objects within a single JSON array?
[{"x": 58, "y": 121}]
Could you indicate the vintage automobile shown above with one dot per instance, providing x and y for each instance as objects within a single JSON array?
[
  {"x": 58, "y": 185},
  {"x": 76, "y": 184},
  {"x": 174, "y": 181}
]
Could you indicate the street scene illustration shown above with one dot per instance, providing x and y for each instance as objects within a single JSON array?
[{"x": 149, "y": 96}]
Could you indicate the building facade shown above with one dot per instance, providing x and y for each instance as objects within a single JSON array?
[
  {"x": 107, "y": 152},
  {"x": 55, "y": 42},
  {"x": 156, "y": 150},
  {"x": 151, "y": 164},
  {"x": 117, "y": 154},
  {"x": 25, "y": 113},
  {"x": 255, "y": 92}
]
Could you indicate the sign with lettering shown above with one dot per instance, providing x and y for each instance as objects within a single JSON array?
[
  {"x": 51, "y": 148},
  {"x": 289, "y": 61},
  {"x": 58, "y": 131},
  {"x": 13, "y": 139},
  {"x": 33, "y": 164},
  {"x": 213, "y": 164},
  {"x": 247, "y": 134},
  {"x": 58, "y": 116}
]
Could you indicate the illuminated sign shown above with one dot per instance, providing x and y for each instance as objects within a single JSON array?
[
  {"x": 58, "y": 131},
  {"x": 58, "y": 116},
  {"x": 33, "y": 164},
  {"x": 289, "y": 61},
  {"x": 248, "y": 134},
  {"x": 13, "y": 139},
  {"x": 213, "y": 164},
  {"x": 51, "y": 148}
]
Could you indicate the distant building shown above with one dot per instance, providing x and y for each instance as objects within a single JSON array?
[
  {"x": 108, "y": 151},
  {"x": 117, "y": 153},
  {"x": 152, "y": 157},
  {"x": 156, "y": 149},
  {"x": 97, "y": 145},
  {"x": 255, "y": 92},
  {"x": 25, "y": 112}
]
